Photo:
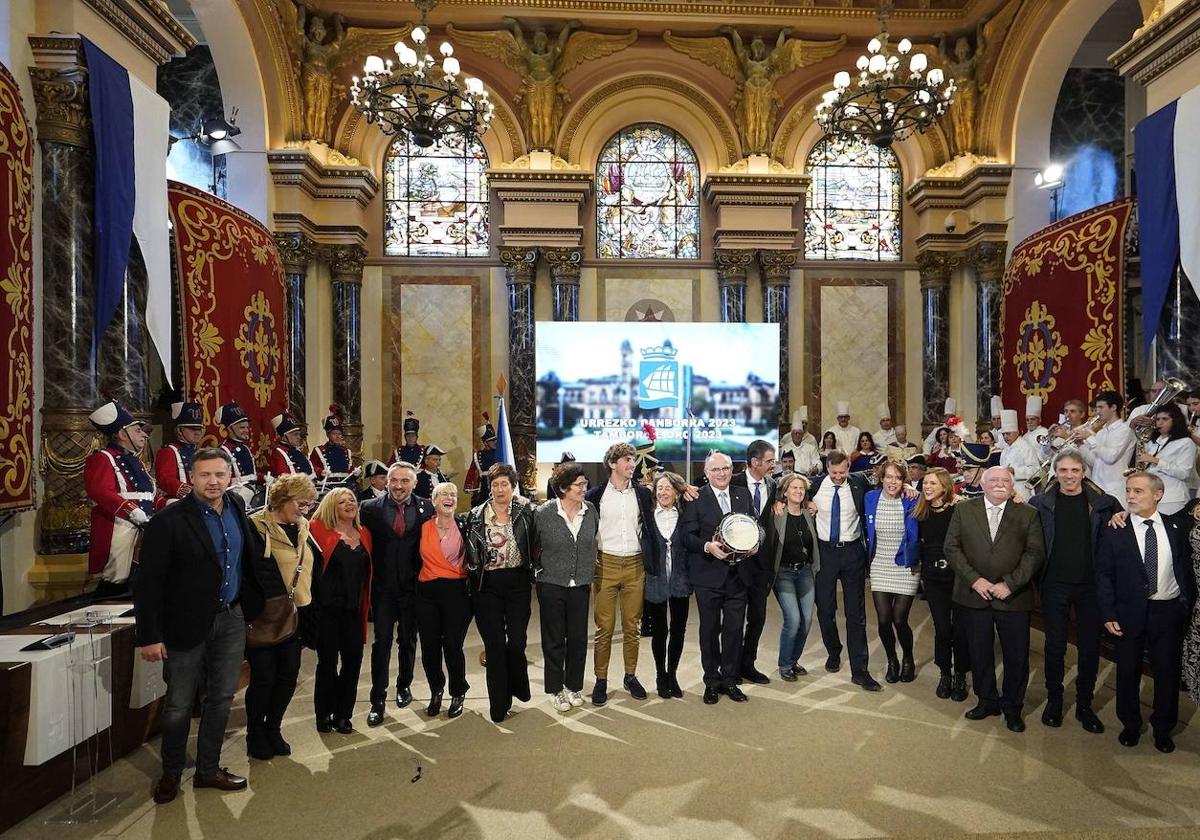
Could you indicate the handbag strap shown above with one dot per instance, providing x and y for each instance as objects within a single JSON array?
[{"x": 300, "y": 549}]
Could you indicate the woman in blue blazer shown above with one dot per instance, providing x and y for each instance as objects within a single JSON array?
[{"x": 893, "y": 547}]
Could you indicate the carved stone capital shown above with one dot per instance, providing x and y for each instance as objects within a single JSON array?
[
  {"x": 564, "y": 265},
  {"x": 987, "y": 259},
  {"x": 777, "y": 266},
  {"x": 936, "y": 267},
  {"x": 345, "y": 262},
  {"x": 61, "y": 98},
  {"x": 296, "y": 251},
  {"x": 520, "y": 264},
  {"x": 732, "y": 266}
]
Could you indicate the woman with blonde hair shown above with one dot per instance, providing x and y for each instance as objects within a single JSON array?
[
  {"x": 344, "y": 598},
  {"x": 790, "y": 551},
  {"x": 294, "y": 559}
]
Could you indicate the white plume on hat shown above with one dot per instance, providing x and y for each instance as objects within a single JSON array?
[
  {"x": 104, "y": 415},
  {"x": 950, "y": 407},
  {"x": 1033, "y": 406},
  {"x": 843, "y": 408},
  {"x": 1009, "y": 422},
  {"x": 997, "y": 406}
]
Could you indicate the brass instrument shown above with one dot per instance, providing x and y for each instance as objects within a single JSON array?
[
  {"x": 1145, "y": 434},
  {"x": 1041, "y": 479}
]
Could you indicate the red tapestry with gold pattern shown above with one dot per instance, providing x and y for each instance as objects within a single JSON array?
[
  {"x": 16, "y": 315},
  {"x": 1061, "y": 317},
  {"x": 231, "y": 293}
]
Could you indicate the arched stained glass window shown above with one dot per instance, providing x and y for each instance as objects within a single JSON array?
[
  {"x": 647, "y": 196},
  {"x": 853, "y": 209},
  {"x": 435, "y": 199}
]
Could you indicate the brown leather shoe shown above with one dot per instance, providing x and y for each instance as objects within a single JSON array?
[
  {"x": 167, "y": 788},
  {"x": 221, "y": 780}
]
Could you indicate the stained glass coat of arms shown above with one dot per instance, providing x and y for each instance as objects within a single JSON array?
[
  {"x": 435, "y": 199},
  {"x": 853, "y": 208}
]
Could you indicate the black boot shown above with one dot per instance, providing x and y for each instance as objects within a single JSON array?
[
  {"x": 676, "y": 691},
  {"x": 663, "y": 686},
  {"x": 908, "y": 669},
  {"x": 275, "y": 739},
  {"x": 943, "y": 686},
  {"x": 892, "y": 675},
  {"x": 958, "y": 688},
  {"x": 257, "y": 745}
]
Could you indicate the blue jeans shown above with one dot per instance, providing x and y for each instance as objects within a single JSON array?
[
  {"x": 794, "y": 590},
  {"x": 219, "y": 658}
]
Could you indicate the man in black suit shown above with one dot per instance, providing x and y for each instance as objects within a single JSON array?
[
  {"x": 760, "y": 464},
  {"x": 838, "y": 500},
  {"x": 720, "y": 587},
  {"x": 395, "y": 522},
  {"x": 197, "y": 586},
  {"x": 995, "y": 547},
  {"x": 1145, "y": 586}
]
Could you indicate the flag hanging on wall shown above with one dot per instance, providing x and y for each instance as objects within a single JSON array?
[
  {"x": 232, "y": 299},
  {"x": 1061, "y": 324}
]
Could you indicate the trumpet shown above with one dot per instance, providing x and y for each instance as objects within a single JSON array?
[
  {"x": 1040, "y": 480},
  {"x": 1174, "y": 387}
]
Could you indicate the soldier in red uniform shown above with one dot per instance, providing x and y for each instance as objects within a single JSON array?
[
  {"x": 286, "y": 455},
  {"x": 122, "y": 494},
  {"x": 332, "y": 460},
  {"x": 174, "y": 460},
  {"x": 237, "y": 442}
]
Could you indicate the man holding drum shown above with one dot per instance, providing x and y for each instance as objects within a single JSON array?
[{"x": 720, "y": 580}]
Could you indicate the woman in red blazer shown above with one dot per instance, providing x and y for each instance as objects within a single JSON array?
[{"x": 344, "y": 598}]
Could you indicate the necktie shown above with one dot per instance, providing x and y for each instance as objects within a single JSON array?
[
  {"x": 398, "y": 523},
  {"x": 724, "y": 499},
  {"x": 994, "y": 520},
  {"x": 1150, "y": 556},
  {"x": 758, "y": 497},
  {"x": 835, "y": 515}
]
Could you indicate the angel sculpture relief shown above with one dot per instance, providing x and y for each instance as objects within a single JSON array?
[
  {"x": 316, "y": 61},
  {"x": 542, "y": 62},
  {"x": 756, "y": 70}
]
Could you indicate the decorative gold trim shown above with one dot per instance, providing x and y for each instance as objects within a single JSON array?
[
  {"x": 131, "y": 23},
  {"x": 345, "y": 262},
  {"x": 61, "y": 99},
  {"x": 1157, "y": 48}
]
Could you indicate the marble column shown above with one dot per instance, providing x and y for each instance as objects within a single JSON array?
[
  {"x": 69, "y": 375},
  {"x": 564, "y": 281},
  {"x": 987, "y": 261},
  {"x": 936, "y": 268},
  {"x": 346, "y": 269},
  {"x": 295, "y": 251},
  {"x": 776, "y": 269},
  {"x": 732, "y": 268},
  {"x": 520, "y": 271},
  {"x": 1178, "y": 349}
]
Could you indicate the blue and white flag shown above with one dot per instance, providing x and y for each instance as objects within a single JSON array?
[
  {"x": 130, "y": 127},
  {"x": 504, "y": 447},
  {"x": 1168, "y": 188}
]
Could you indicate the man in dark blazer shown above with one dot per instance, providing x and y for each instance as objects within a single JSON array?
[
  {"x": 838, "y": 501},
  {"x": 196, "y": 587},
  {"x": 395, "y": 522},
  {"x": 995, "y": 547},
  {"x": 1146, "y": 588},
  {"x": 720, "y": 587},
  {"x": 1074, "y": 512},
  {"x": 760, "y": 464}
]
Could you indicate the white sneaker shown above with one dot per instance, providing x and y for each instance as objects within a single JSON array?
[
  {"x": 575, "y": 699},
  {"x": 561, "y": 703}
]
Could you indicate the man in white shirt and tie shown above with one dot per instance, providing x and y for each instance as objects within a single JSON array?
[
  {"x": 1109, "y": 451},
  {"x": 1146, "y": 588},
  {"x": 760, "y": 464}
]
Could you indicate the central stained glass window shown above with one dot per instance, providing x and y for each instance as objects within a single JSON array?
[
  {"x": 647, "y": 196},
  {"x": 853, "y": 205},
  {"x": 435, "y": 200}
]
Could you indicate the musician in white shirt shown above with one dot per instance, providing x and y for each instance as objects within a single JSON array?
[
  {"x": 997, "y": 406},
  {"x": 844, "y": 431},
  {"x": 1172, "y": 457},
  {"x": 1108, "y": 451},
  {"x": 1019, "y": 456},
  {"x": 1034, "y": 430},
  {"x": 801, "y": 445},
  {"x": 886, "y": 435},
  {"x": 1140, "y": 416},
  {"x": 1074, "y": 413}
]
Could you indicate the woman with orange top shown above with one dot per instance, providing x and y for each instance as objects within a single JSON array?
[
  {"x": 442, "y": 606},
  {"x": 344, "y": 598}
]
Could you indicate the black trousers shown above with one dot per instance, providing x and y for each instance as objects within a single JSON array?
[
  {"x": 756, "y": 620},
  {"x": 502, "y": 609},
  {"x": 722, "y": 618},
  {"x": 1012, "y": 626},
  {"x": 389, "y": 609},
  {"x": 563, "y": 614},
  {"x": 273, "y": 674},
  {"x": 847, "y": 564},
  {"x": 667, "y": 635},
  {"x": 341, "y": 639},
  {"x": 1058, "y": 599},
  {"x": 443, "y": 616},
  {"x": 1166, "y": 626},
  {"x": 951, "y": 648}
]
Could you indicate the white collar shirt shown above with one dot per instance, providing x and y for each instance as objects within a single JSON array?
[
  {"x": 850, "y": 525},
  {"x": 1166, "y": 587},
  {"x": 619, "y": 521}
]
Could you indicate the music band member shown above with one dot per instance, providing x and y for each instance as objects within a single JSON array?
[
  {"x": 1145, "y": 586},
  {"x": 484, "y": 457},
  {"x": 410, "y": 451},
  {"x": 1073, "y": 512},
  {"x": 844, "y": 432},
  {"x": 1019, "y": 455},
  {"x": 995, "y": 547},
  {"x": 997, "y": 406},
  {"x": 332, "y": 460},
  {"x": 429, "y": 472},
  {"x": 720, "y": 586},
  {"x": 240, "y": 448},
  {"x": 801, "y": 444},
  {"x": 760, "y": 464},
  {"x": 1170, "y": 455},
  {"x": 976, "y": 457},
  {"x": 886, "y": 435},
  {"x": 174, "y": 460},
  {"x": 122, "y": 494},
  {"x": 1074, "y": 414},
  {"x": 286, "y": 455},
  {"x": 375, "y": 475},
  {"x": 1109, "y": 450},
  {"x": 1034, "y": 430},
  {"x": 395, "y": 522},
  {"x": 839, "y": 499},
  {"x": 627, "y": 552}
]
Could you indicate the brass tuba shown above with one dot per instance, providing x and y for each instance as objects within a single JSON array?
[{"x": 1145, "y": 434}]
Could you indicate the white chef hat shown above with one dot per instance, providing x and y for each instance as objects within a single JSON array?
[
  {"x": 1033, "y": 406},
  {"x": 883, "y": 411},
  {"x": 843, "y": 408},
  {"x": 950, "y": 407},
  {"x": 997, "y": 406},
  {"x": 1009, "y": 422}
]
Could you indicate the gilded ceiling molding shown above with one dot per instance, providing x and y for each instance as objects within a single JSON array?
[
  {"x": 161, "y": 39},
  {"x": 709, "y": 10},
  {"x": 691, "y": 95}
]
